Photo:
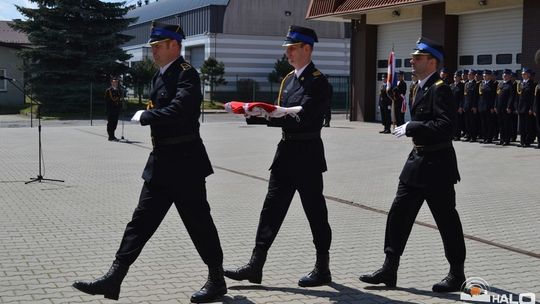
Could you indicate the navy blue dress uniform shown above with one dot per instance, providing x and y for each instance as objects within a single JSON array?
[
  {"x": 113, "y": 104},
  {"x": 527, "y": 129},
  {"x": 174, "y": 174},
  {"x": 470, "y": 107},
  {"x": 458, "y": 87},
  {"x": 515, "y": 117},
  {"x": 486, "y": 107},
  {"x": 297, "y": 166},
  {"x": 385, "y": 106},
  {"x": 429, "y": 173},
  {"x": 505, "y": 107}
]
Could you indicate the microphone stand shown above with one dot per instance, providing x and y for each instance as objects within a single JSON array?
[{"x": 39, "y": 177}]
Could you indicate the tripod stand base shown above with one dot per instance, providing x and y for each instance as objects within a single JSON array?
[{"x": 40, "y": 178}]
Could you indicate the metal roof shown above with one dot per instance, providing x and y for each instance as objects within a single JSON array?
[
  {"x": 320, "y": 8},
  {"x": 11, "y": 36},
  {"x": 165, "y": 8}
]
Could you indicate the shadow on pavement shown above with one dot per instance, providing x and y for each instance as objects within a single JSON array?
[{"x": 343, "y": 294}]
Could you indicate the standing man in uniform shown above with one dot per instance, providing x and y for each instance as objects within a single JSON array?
[
  {"x": 470, "y": 106},
  {"x": 430, "y": 173},
  {"x": 113, "y": 104},
  {"x": 525, "y": 91},
  {"x": 486, "y": 106},
  {"x": 175, "y": 171},
  {"x": 298, "y": 164},
  {"x": 515, "y": 100},
  {"x": 457, "y": 91},
  {"x": 385, "y": 106},
  {"x": 399, "y": 98},
  {"x": 505, "y": 107}
]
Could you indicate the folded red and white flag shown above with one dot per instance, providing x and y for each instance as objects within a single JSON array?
[{"x": 260, "y": 109}]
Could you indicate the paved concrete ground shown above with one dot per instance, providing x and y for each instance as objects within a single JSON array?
[{"x": 53, "y": 233}]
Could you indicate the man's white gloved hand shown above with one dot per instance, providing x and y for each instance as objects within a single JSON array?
[
  {"x": 137, "y": 116},
  {"x": 401, "y": 130}
]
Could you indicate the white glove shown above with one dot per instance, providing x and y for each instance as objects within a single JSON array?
[
  {"x": 137, "y": 116},
  {"x": 401, "y": 130}
]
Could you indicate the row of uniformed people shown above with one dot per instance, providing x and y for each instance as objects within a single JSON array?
[{"x": 497, "y": 111}]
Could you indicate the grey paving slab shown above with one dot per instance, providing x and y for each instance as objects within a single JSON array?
[{"x": 54, "y": 233}]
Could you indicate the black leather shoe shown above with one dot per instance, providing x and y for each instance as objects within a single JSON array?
[
  {"x": 213, "y": 289},
  {"x": 320, "y": 275},
  {"x": 387, "y": 274},
  {"x": 252, "y": 271},
  {"x": 452, "y": 282},
  {"x": 108, "y": 285}
]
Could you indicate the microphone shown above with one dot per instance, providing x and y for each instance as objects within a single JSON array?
[{"x": 7, "y": 78}]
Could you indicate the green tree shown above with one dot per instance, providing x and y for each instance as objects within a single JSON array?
[
  {"x": 212, "y": 73},
  {"x": 140, "y": 76},
  {"x": 76, "y": 45},
  {"x": 281, "y": 69}
]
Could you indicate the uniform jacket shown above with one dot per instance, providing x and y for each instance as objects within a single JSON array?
[
  {"x": 526, "y": 96},
  {"x": 433, "y": 118},
  {"x": 457, "y": 92},
  {"x": 487, "y": 94},
  {"x": 384, "y": 99},
  {"x": 313, "y": 92},
  {"x": 505, "y": 94},
  {"x": 176, "y": 97},
  {"x": 113, "y": 99},
  {"x": 470, "y": 95}
]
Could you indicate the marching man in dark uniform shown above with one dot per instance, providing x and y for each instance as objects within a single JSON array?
[
  {"x": 113, "y": 103},
  {"x": 175, "y": 171},
  {"x": 430, "y": 173},
  {"x": 505, "y": 107},
  {"x": 298, "y": 164}
]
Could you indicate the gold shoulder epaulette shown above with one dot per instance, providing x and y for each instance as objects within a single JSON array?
[
  {"x": 185, "y": 66},
  {"x": 439, "y": 82},
  {"x": 317, "y": 73}
]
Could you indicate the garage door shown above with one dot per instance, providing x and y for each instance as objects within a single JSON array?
[
  {"x": 402, "y": 36},
  {"x": 491, "y": 40}
]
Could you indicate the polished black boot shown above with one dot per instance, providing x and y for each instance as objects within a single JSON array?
[
  {"x": 213, "y": 289},
  {"x": 453, "y": 281},
  {"x": 320, "y": 274},
  {"x": 108, "y": 285},
  {"x": 252, "y": 271},
  {"x": 387, "y": 274}
]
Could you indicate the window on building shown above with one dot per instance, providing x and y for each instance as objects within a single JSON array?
[
  {"x": 503, "y": 59},
  {"x": 466, "y": 60},
  {"x": 407, "y": 62},
  {"x": 3, "y": 83},
  {"x": 518, "y": 58},
  {"x": 408, "y": 76},
  {"x": 382, "y": 64},
  {"x": 484, "y": 59},
  {"x": 196, "y": 56},
  {"x": 398, "y": 63}
]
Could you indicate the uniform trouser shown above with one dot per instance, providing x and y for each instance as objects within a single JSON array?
[
  {"x": 505, "y": 123},
  {"x": 281, "y": 189},
  {"x": 442, "y": 203},
  {"x": 460, "y": 126},
  {"x": 471, "y": 122},
  {"x": 189, "y": 197},
  {"x": 514, "y": 126},
  {"x": 527, "y": 128},
  {"x": 112, "y": 122},
  {"x": 386, "y": 117},
  {"x": 487, "y": 122}
]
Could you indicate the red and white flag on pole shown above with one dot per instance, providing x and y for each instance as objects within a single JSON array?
[{"x": 391, "y": 80}]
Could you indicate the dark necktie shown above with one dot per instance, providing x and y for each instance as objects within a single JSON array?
[{"x": 417, "y": 94}]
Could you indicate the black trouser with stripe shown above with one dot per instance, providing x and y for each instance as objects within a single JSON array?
[
  {"x": 441, "y": 200},
  {"x": 189, "y": 197}
]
